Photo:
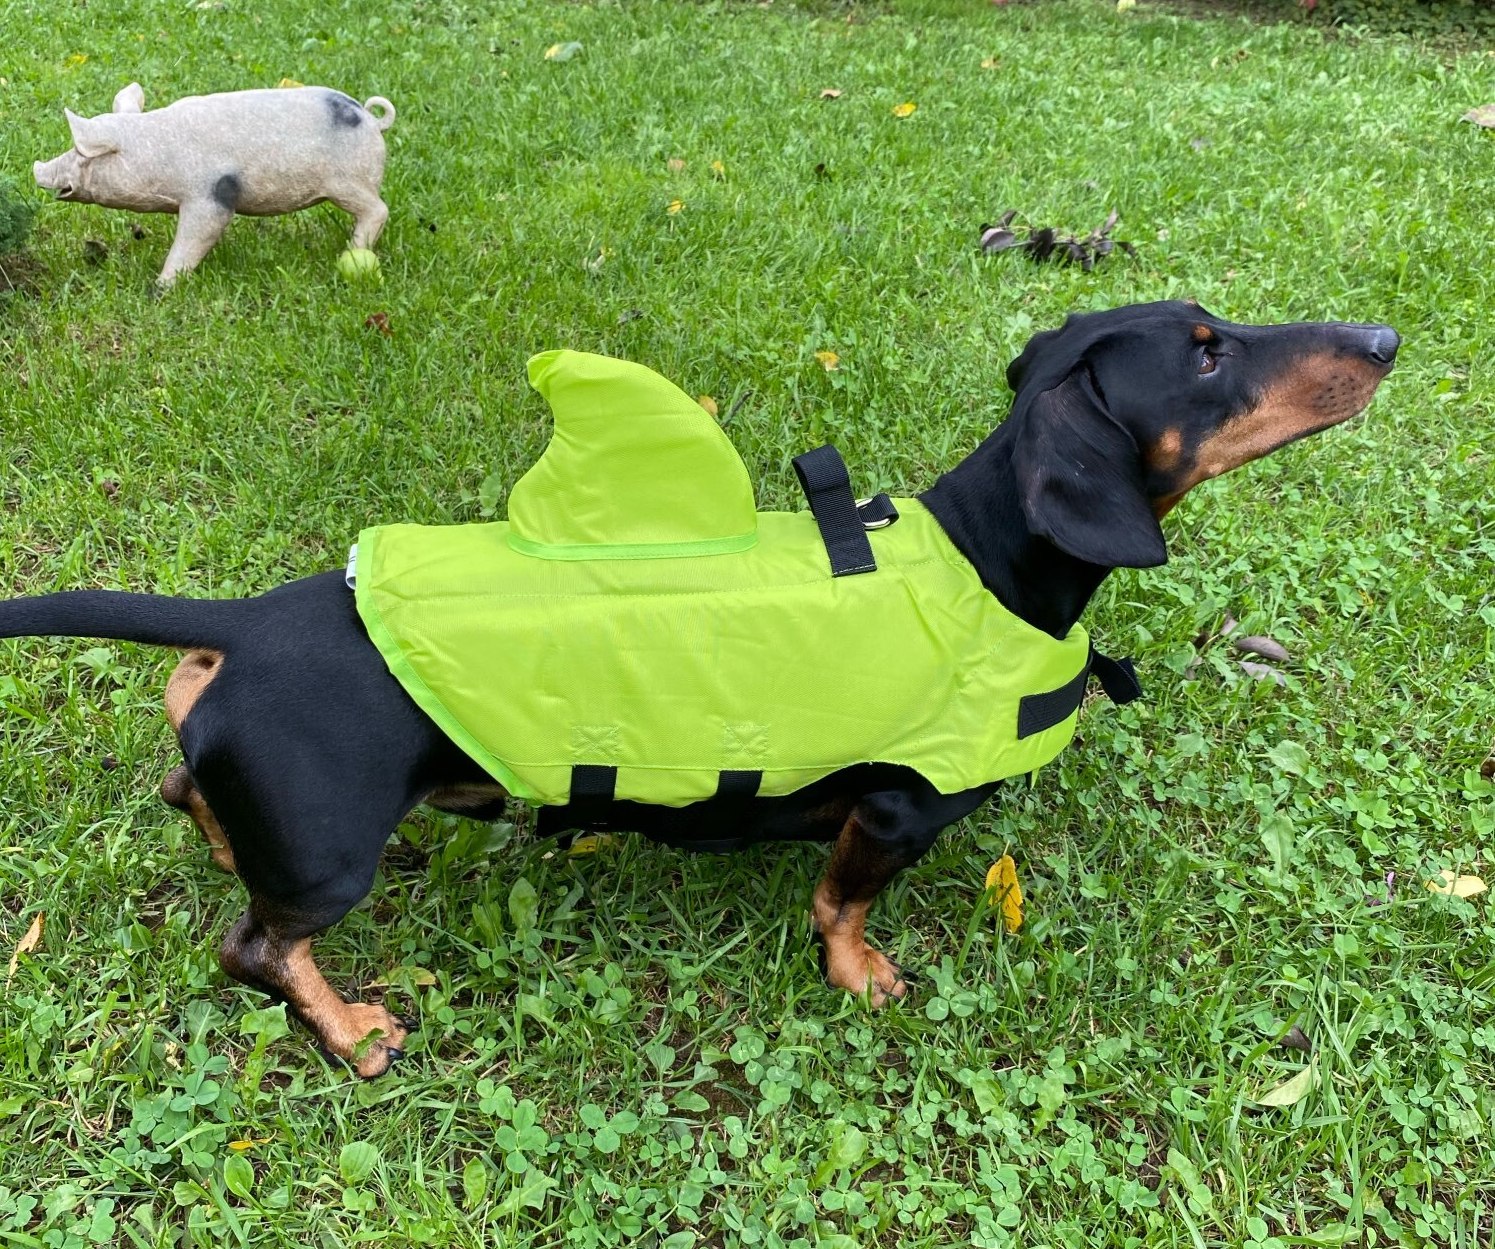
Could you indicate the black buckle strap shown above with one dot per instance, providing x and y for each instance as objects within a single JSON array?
[
  {"x": 877, "y": 512},
  {"x": 1118, "y": 677},
  {"x": 822, "y": 473}
]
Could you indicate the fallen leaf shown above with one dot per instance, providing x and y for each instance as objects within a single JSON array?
[
  {"x": 904, "y": 110},
  {"x": 674, "y": 164},
  {"x": 719, "y": 169},
  {"x": 77, "y": 58},
  {"x": 403, "y": 977},
  {"x": 289, "y": 82},
  {"x": 1262, "y": 672},
  {"x": 707, "y": 402},
  {"x": 1296, "y": 1040},
  {"x": 1003, "y": 890},
  {"x": 1292, "y": 1090},
  {"x": 829, "y": 360},
  {"x": 630, "y": 314},
  {"x": 560, "y": 52},
  {"x": 1483, "y": 116},
  {"x": 997, "y": 238},
  {"x": 28, "y": 942},
  {"x": 674, "y": 206},
  {"x": 379, "y": 321},
  {"x": 94, "y": 252},
  {"x": 1487, "y": 768},
  {"x": 1456, "y": 886},
  {"x": 590, "y": 843},
  {"x": 1266, "y": 647},
  {"x": 241, "y": 1146},
  {"x": 991, "y": 62},
  {"x": 830, "y": 93}
]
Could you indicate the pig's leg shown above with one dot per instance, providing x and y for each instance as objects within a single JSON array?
[
  {"x": 369, "y": 213},
  {"x": 200, "y": 224}
]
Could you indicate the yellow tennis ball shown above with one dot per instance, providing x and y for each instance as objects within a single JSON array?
[
  {"x": 1125, "y": 6},
  {"x": 358, "y": 264}
]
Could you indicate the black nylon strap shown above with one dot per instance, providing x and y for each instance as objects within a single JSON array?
[
  {"x": 738, "y": 786},
  {"x": 1118, "y": 677},
  {"x": 592, "y": 788},
  {"x": 877, "y": 512},
  {"x": 822, "y": 473},
  {"x": 1036, "y": 712}
]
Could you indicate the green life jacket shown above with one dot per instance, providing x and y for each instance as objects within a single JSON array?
[{"x": 635, "y": 619}]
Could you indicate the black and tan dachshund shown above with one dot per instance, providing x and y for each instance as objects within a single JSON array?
[{"x": 302, "y": 753}]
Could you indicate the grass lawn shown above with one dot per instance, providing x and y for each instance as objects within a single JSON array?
[{"x": 634, "y": 1047}]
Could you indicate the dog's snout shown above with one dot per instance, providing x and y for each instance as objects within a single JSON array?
[{"x": 1383, "y": 344}]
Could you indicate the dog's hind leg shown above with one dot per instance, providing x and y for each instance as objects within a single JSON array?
[
  {"x": 179, "y": 790},
  {"x": 885, "y": 833},
  {"x": 307, "y": 856},
  {"x": 270, "y": 947}
]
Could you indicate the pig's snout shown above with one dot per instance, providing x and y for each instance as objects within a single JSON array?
[{"x": 50, "y": 178}]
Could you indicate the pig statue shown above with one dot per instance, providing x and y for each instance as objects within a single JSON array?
[{"x": 208, "y": 157}]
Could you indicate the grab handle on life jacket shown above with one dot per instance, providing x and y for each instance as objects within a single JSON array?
[{"x": 842, "y": 519}]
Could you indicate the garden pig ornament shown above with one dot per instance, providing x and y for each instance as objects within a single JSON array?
[{"x": 208, "y": 157}]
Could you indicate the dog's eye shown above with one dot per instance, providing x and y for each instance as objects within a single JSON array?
[{"x": 1207, "y": 361}]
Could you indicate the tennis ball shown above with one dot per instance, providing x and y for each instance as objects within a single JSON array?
[
  {"x": 358, "y": 264},
  {"x": 1124, "y": 6}
]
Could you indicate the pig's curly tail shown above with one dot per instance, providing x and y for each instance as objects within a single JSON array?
[{"x": 385, "y": 117}]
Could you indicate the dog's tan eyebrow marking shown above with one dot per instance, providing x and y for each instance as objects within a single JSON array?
[{"x": 1203, "y": 333}]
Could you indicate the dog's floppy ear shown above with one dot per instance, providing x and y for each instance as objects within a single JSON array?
[{"x": 1081, "y": 479}]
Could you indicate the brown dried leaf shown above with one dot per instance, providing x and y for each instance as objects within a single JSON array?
[
  {"x": 1483, "y": 116},
  {"x": 674, "y": 164},
  {"x": 379, "y": 321},
  {"x": 1266, "y": 647},
  {"x": 1295, "y": 1040},
  {"x": 831, "y": 93},
  {"x": 707, "y": 402},
  {"x": 27, "y": 943}
]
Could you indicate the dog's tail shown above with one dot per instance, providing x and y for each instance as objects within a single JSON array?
[{"x": 154, "y": 619}]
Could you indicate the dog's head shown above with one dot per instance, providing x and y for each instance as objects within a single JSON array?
[{"x": 1120, "y": 413}]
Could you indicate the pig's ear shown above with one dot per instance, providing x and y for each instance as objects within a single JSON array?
[
  {"x": 130, "y": 100},
  {"x": 91, "y": 136}
]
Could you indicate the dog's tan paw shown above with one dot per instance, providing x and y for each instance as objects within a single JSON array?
[
  {"x": 375, "y": 1055},
  {"x": 862, "y": 969}
]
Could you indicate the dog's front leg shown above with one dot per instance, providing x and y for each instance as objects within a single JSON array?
[{"x": 885, "y": 833}]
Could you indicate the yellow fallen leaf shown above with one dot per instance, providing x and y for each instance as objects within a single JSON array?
[
  {"x": 829, "y": 360},
  {"x": 590, "y": 843},
  {"x": 27, "y": 943},
  {"x": 241, "y": 1146},
  {"x": 707, "y": 402},
  {"x": 1292, "y": 1090},
  {"x": 831, "y": 93},
  {"x": 289, "y": 82},
  {"x": 719, "y": 169},
  {"x": 991, "y": 62},
  {"x": 904, "y": 110},
  {"x": 1003, "y": 890},
  {"x": 675, "y": 164},
  {"x": 77, "y": 58},
  {"x": 674, "y": 206},
  {"x": 1456, "y": 886},
  {"x": 562, "y": 52}
]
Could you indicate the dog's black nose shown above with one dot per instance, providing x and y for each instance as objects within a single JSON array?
[{"x": 1383, "y": 344}]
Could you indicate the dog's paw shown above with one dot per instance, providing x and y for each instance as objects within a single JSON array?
[
  {"x": 865, "y": 970},
  {"x": 380, "y": 1039}
]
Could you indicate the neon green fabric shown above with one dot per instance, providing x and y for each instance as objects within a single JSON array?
[
  {"x": 673, "y": 668},
  {"x": 636, "y": 469}
]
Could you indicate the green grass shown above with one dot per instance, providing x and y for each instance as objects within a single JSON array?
[{"x": 635, "y": 1047}]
